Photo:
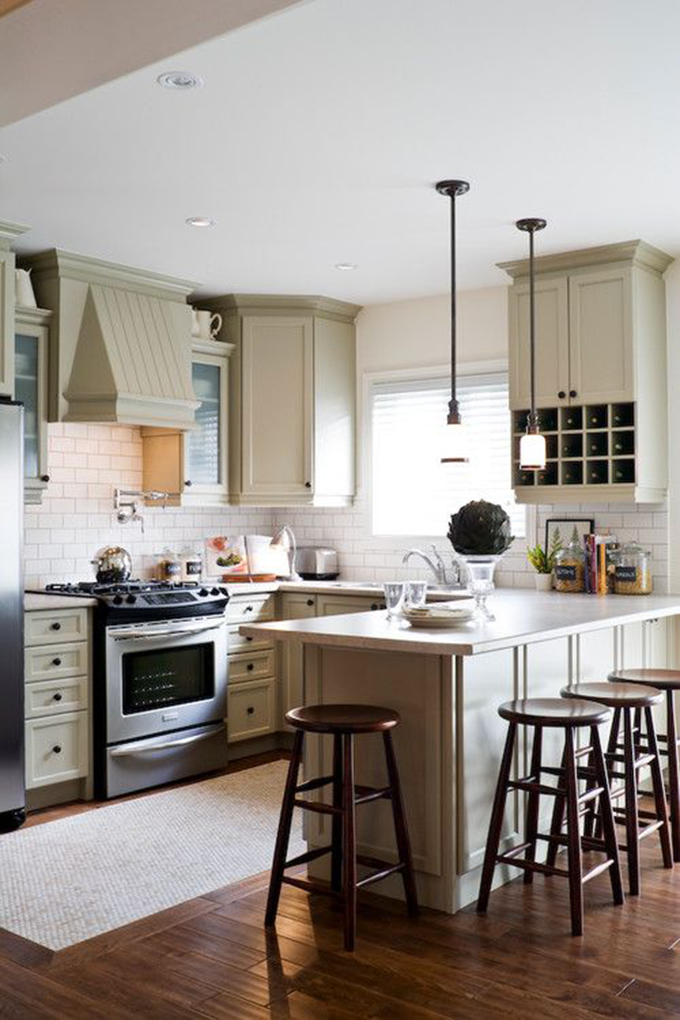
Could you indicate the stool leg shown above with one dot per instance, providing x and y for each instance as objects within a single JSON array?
[
  {"x": 612, "y": 744},
  {"x": 336, "y": 825},
  {"x": 573, "y": 837},
  {"x": 673, "y": 774},
  {"x": 531, "y": 827},
  {"x": 606, "y": 816},
  {"x": 631, "y": 802},
  {"x": 349, "y": 841},
  {"x": 496, "y": 823},
  {"x": 400, "y": 828},
  {"x": 659, "y": 792},
  {"x": 557, "y": 814},
  {"x": 283, "y": 834}
]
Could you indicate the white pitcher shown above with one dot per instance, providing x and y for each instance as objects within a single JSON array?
[
  {"x": 205, "y": 325},
  {"x": 23, "y": 289}
]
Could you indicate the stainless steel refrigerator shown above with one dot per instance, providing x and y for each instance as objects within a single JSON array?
[{"x": 12, "y": 789}]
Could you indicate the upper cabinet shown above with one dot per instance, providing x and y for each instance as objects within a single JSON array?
[
  {"x": 193, "y": 463},
  {"x": 292, "y": 400},
  {"x": 31, "y": 342},
  {"x": 8, "y": 233},
  {"x": 600, "y": 373}
]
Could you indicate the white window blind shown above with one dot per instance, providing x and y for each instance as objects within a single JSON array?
[{"x": 413, "y": 493}]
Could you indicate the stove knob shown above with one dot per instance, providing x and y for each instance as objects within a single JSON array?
[
  {"x": 204, "y": 593},
  {"x": 224, "y": 591},
  {"x": 117, "y": 599},
  {"x": 214, "y": 591},
  {"x": 131, "y": 598}
]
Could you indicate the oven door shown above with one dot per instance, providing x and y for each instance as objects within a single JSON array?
[{"x": 164, "y": 676}]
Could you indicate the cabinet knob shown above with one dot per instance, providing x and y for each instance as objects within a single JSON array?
[
  {"x": 308, "y": 485},
  {"x": 56, "y": 662},
  {"x": 249, "y": 639},
  {"x": 374, "y": 605},
  {"x": 561, "y": 394},
  {"x": 250, "y": 667},
  {"x": 573, "y": 393},
  {"x": 57, "y": 749},
  {"x": 56, "y": 625},
  {"x": 57, "y": 696},
  {"x": 44, "y": 478},
  {"x": 250, "y": 711},
  {"x": 310, "y": 602},
  {"x": 188, "y": 483}
]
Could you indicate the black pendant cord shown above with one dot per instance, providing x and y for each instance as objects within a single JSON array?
[
  {"x": 454, "y": 413},
  {"x": 531, "y": 226}
]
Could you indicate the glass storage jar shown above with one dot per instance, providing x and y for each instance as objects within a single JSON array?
[
  {"x": 570, "y": 569},
  {"x": 633, "y": 571}
]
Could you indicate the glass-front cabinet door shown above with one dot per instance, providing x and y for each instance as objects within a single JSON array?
[
  {"x": 30, "y": 387},
  {"x": 205, "y": 446}
]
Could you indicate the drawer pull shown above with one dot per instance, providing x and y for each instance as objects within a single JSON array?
[
  {"x": 56, "y": 662},
  {"x": 57, "y": 749},
  {"x": 250, "y": 711},
  {"x": 249, "y": 639},
  {"x": 56, "y": 625},
  {"x": 248, "y": 609},
  {"x": 57, "y": 696},
  {"x": 250, "y": 667},
  {"x": 310, "y": 602},
  {"x": 44, "y": 478},
  {"x": 374, "y": 605}
]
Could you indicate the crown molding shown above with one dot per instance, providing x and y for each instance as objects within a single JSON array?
[{"x": 637, "y": 251}]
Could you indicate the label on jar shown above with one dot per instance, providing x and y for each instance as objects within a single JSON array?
[
  {"x": 626, "y": 573},
  {"x": 565, "y": 573},
  {"x": 172, "y": 569},
  {"x": 192, "y": 568}
]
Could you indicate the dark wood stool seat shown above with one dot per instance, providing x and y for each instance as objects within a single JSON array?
[
  {"x": 553, "y": 712},
  {"x": 343, "y": 723},
  {"x": 343, "y": 718},
  {"x": 631, "y": 702},
  {"x": 539, "y": 713},
  {"x": 668, "y": 681}
]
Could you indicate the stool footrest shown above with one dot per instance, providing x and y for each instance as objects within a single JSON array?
[
  {"x": 365, "y": 794},
  {"x": 597, "y": 870},
  {"x": 310, "y": 855},
  {"x": 383, "y": 869},
  {"x": 519, "y": 862},
  {"x": 314, "y": 784},
  {"x": 310, "y": 886},
  {"x": 530, "y": 786},
  {"x": 317, "y": 806}
]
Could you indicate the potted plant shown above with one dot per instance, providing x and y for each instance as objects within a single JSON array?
[
  {"x": 480, "y": 533},
  {"x": 543, "y": 563}
]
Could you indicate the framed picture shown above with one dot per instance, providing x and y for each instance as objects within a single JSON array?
[{"x": 567, "y": 529}]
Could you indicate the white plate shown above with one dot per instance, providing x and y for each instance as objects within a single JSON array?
[{"x": 440, "y": 622}]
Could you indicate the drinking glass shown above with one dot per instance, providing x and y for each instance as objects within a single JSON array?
[
  {"x": 415, "y": 594},
  {"x": 394, "y": 594}
]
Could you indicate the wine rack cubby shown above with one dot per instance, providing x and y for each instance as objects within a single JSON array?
[{"x": 593, "y": 445}]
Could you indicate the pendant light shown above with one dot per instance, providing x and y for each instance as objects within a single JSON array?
[
  {"x": 532, "y": 451},
  {"x": 456, "y": 434}
]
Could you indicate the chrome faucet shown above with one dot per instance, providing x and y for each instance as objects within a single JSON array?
[{"x": 436, "y": 565}]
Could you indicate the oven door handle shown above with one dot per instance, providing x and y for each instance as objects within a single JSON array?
[
  {"x": 144, "y": 746},
  {"x": 151, "y": 635}
]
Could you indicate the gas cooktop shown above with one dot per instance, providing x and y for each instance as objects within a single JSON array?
[{"x": 141, "y": 595}]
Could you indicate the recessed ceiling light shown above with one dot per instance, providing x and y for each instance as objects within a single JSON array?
[
  {"x": 200, "y": 221},
  {"x": 346, "y": 267},
  {"x": 3, "y": 158},
  {"x": 181, "y": 80}
]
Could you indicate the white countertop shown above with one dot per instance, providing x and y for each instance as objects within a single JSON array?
[
  {"x": 35, "y": 600},
  {"x": 522, "y": 617}
]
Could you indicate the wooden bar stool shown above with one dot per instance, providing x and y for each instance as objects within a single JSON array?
[
  {"x": 343, "y": 722},
  {"x": 628, "y": 699},
  {"x": 667, "y": 681},
  {"x": 568, "y": 716}
]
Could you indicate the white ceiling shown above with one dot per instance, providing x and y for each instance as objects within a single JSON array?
[{"x": 320, "y": 132}]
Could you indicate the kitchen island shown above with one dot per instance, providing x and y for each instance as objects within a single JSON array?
[{"x": 447, "y": 685}]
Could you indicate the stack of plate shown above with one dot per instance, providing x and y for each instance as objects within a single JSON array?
[{"x": 440, "y": 614}]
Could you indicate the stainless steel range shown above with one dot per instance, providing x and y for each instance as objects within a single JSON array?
[{"x": 160, "y": 682}]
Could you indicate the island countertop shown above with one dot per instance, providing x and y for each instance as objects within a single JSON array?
[{"x": 522, "y": 617}]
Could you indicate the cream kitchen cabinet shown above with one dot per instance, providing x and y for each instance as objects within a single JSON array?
[
  {"x": 31, "y": 347},
  {"x": 600, "y": 374},
  {"x": 8, "y": 233},
  {"x": 252, "y": 690},
  {"x": 193, "y": 463},
  {"x": 292, "y": 400}
]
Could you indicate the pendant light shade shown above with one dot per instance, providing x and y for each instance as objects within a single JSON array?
[
  {"x": 456, "y": 438},
  {"x": 532, "y": 451}
]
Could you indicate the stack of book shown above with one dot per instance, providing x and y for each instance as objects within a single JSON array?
[{"x": 599, "y": 575}]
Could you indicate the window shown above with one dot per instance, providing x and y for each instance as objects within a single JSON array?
[{"x": 413, "y": 493}]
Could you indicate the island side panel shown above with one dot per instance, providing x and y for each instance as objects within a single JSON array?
[{"x": 420, "y": 688}]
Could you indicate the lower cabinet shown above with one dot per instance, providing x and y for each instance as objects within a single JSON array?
[
  {"x": 252, "y": 671},
  {"x": 252, "y": 709},
  {"x": 56, "y": 674}
]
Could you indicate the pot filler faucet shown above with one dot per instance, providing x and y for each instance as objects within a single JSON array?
[{"x": 436, "y": 565}]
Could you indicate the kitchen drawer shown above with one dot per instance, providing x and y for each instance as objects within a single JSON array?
[
  {"x": 252, "y": 667},
  {"x": 56, "y": 749},
  {"x": 55, "y": 662},
  {"x": 238, "y": 644},
  {"x": 252, "y": 710},
  {"x": 55, "y": 626},
  {"x": 54, "y": 697},
  {"x": 243, "y": 609}
]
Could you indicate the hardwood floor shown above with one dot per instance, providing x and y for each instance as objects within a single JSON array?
[{"x": 212, "y": 958}]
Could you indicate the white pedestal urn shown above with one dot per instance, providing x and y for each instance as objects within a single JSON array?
[{"x": 480, "y": 534}]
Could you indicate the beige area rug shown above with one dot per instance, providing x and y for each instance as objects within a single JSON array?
[{"x": 66, "y": 881}]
